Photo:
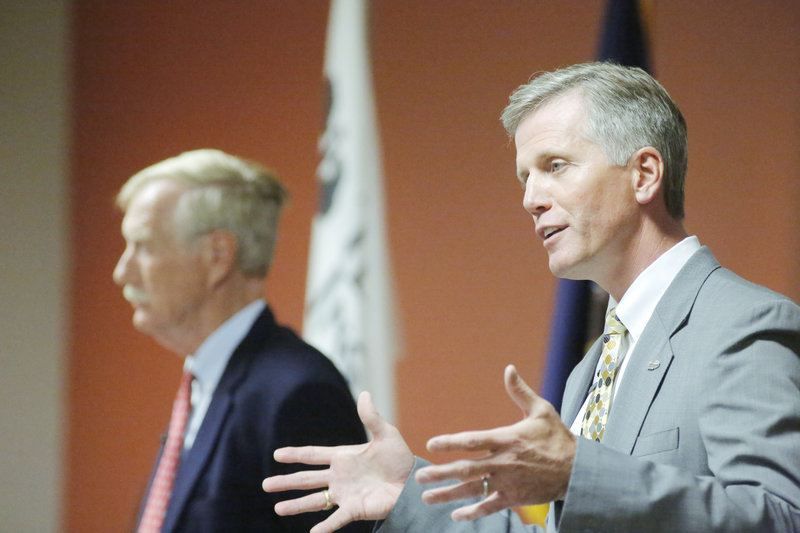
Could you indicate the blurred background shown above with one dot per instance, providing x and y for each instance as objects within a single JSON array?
[{"x": 92, "y": 91}]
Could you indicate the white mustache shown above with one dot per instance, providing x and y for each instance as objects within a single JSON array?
[{"x": 134, "y": 295}]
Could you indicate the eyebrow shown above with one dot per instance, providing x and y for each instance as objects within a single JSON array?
[{"x": 136, "y": 234}]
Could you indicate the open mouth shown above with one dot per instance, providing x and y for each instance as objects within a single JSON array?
[
  {"x": 133, "y": 295},
  {"x": 549, "y": 232}
]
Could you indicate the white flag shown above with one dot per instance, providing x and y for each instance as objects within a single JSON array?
[{"x": 348, "y": 309}]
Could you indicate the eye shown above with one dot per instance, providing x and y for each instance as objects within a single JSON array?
[
  {"x": 557, "y": 165},
  {"x": 139, "y": 247}
]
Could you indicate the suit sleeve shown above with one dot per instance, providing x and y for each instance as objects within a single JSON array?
[
  {"x": 318, "y": 413},
  {"x": 748, "y": 424},
  {"x": 411, "y": 515}
]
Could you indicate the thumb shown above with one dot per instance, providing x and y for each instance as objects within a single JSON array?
[
  {"x": 369, "y": 415},
  {"x": 519, "y": 391}
]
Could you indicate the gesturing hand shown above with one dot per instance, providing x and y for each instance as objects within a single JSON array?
[
  {"x": 526, "y": 463},
  {"x": 363, "y": 480}
]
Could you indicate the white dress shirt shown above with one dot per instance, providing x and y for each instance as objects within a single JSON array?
[
  {"x": 638, "y": 303},
  {"x": 210, "y": 360}
]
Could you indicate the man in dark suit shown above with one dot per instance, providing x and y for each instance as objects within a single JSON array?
[
  {"x": 200, "y": 230},
  {"x": 684, "y": 416}
]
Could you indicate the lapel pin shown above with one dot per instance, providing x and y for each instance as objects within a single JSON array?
[{"x": 652, "y": 365}]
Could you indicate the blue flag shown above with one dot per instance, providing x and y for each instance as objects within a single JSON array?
[
  {"x": 568, "y": 336},
  {"x": 624, "y": 38}
]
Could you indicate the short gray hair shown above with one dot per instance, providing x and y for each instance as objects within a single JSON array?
[
  {"x": 223, "y": 192},
  {"x": 627, "y": 110}
]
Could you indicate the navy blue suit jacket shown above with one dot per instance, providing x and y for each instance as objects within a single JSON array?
[{"x": 276, "y": 391}]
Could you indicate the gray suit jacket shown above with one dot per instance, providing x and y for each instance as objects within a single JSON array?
[{"x": 704, "y": 434}]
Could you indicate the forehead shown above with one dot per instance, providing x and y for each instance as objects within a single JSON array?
[
  {"x": 151, "y": 206},
  {"x": 555, "y": 121}
]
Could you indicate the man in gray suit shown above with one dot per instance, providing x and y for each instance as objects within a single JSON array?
[{"x": 684, "y": 417}]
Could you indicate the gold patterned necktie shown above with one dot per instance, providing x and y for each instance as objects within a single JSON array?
[{"x": 594, "y": 421}]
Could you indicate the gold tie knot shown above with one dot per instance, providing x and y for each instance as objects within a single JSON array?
[{"x": 613, "y": 325}]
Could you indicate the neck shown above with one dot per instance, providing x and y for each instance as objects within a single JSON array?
[
  {"x": 220, "y": 305},
  {"x": 652, "y": 242}
]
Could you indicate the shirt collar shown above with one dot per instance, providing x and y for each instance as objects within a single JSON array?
[
  {"x": 209, "y": 361},
  {"x": 641, "y": 298}
]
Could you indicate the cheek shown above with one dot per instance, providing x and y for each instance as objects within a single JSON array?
[
  {"x": 184, "y": 281},
  {"x": 586, "y": 211},
  {"x": 607, "y": 207},
  {"x": 154, "y": 276},
  {"x": 163, "y": 284},
  {"x": 171, "y": 279}
]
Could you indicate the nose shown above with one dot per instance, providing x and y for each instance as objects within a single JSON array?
[
  {"x": 121, "y": 271},
  {"x": 536, "y": 199}
]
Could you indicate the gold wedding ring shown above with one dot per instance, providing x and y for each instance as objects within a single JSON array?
[
  {"x": 485, "y": 480},
  {"x": 328, "y": 502}
]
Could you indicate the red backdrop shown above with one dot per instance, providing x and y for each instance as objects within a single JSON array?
[{"x": 152, "y": 79}]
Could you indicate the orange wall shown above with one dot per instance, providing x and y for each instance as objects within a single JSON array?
[{"x": 152, "y": 79}]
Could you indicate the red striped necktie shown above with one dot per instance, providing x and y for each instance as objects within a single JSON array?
[{"x": 158, "y": 498}]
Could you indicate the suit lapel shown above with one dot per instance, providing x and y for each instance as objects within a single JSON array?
[
  {"x": 577, "y": 386},
  {"x": 653, "y": 354},
  {"x": 647, "y": 367},
  {"x": 193, "y": 463}
]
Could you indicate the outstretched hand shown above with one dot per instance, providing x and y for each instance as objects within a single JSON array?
[
  {"x": 526, "y": 463},
  {"x": 364, "y": 480}
]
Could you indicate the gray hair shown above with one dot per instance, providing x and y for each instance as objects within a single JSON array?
[
  {"x": 627, "y": 110},
  {"x": 223, "y": 192}
]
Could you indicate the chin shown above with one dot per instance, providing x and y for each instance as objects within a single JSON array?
[
  {"x": 559, "y": 269},
  {"x": 142, "y": 323},
  {"x": 566, "y": 271}
]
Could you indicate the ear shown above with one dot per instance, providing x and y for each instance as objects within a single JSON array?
[
  {"x": 648, "y": 174},
  {"x": 219, "y": 251}
]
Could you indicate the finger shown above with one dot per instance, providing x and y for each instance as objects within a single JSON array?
[
  {"x": 305, "y": 480},
  {"x": 519, "y": 391},
  {"x": 468, "y": 441},
  {"x": 310, "y": 455},
  {"x": 459, "y": 491},
  {"x": 462, "y": 469},
  {"x": 492, "y": 504},
  {"x": 305, "y": 504},
  {"x": 334, "y": 522}
]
